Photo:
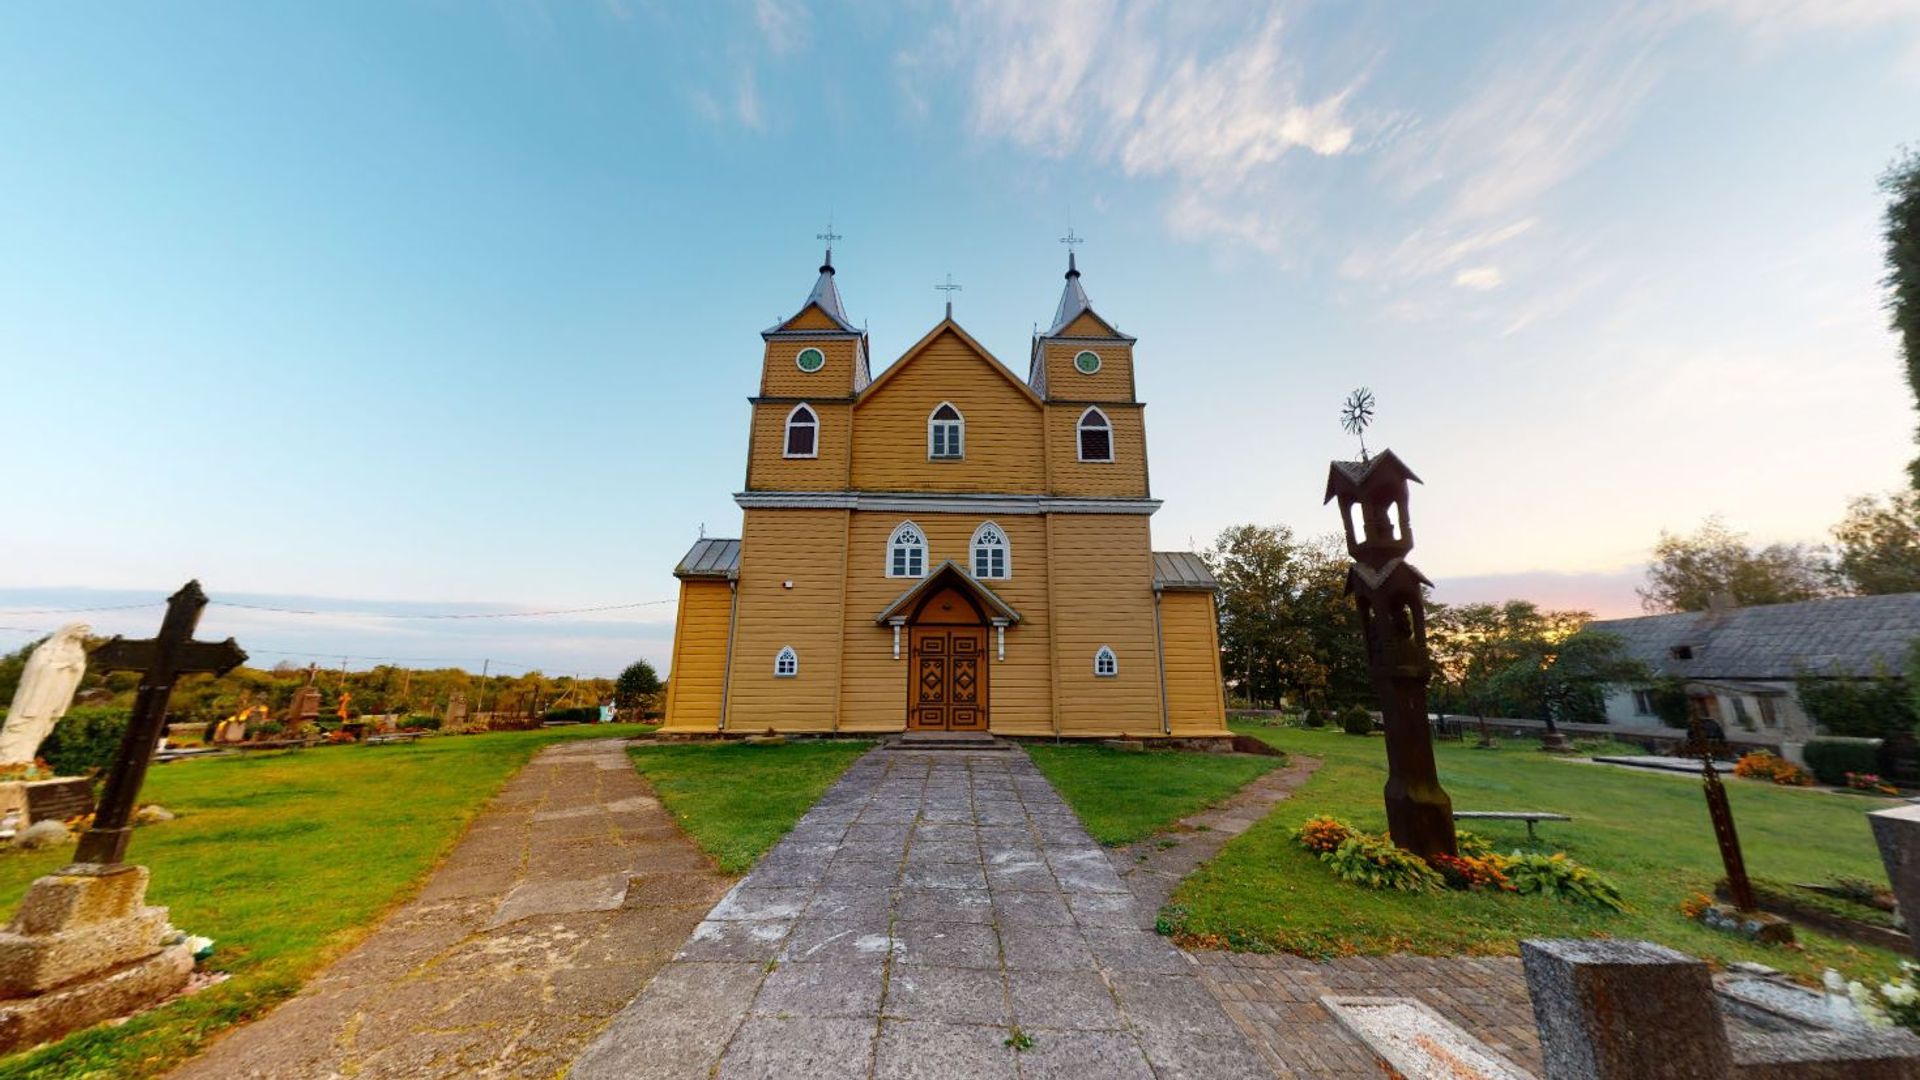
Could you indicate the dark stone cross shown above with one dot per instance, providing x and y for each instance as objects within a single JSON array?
[
  {"x": 1704, "y": 746},
  {"x": 159, "y": 661}
]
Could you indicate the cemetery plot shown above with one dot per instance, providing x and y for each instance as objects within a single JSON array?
[
  {"x": 1647, "y": 832},
  {"x": 286, "y": 860}
]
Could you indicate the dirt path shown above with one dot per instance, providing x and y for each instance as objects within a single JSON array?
[
  {"x": 1154, "y": 867},
  {"x": 564, "y": 897}
]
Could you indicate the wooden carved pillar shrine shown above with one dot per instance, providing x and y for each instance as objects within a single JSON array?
[{"x": 1387, "y": 591}]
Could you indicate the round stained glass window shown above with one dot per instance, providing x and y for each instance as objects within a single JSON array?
[
  {"x": 811, "y": 360},
  {"x": 1087, "y": 363}
]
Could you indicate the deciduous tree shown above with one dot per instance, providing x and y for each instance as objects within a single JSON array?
[
  {"x": 1688, "y": 571},
  {"x": 1902, "y": 232},
  {"x": 1286, "y": 626},
  {"x": 1877, "y": 545}
]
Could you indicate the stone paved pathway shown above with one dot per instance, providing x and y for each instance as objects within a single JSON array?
[
  {"x": 927, "y": 906},
  {"x": 568, "y": 892}
]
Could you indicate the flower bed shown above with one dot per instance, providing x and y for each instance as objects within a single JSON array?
[
  {"x": 1372, "y": 861},
  {"x": 1763, "y": 765}
]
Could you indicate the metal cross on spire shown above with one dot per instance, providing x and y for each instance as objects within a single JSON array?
[
  {"x": 949, "y": 288},
  {"x": 829, "y": 236},
  {"x": 1070, "y": 239},
  {"x": 1356, "y": 414}
]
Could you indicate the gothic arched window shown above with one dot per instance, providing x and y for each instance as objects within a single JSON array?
[
  {"x": 1096, "y": 436},
  {"x": 991, "y": 558},
  {"x": 803, "y": 433},
  {"x": 1105, "y": 664},
  {"x": 787, "y": 664},
  {"x": 946, "y": 433},
  {"x": 907, "y": 551}
]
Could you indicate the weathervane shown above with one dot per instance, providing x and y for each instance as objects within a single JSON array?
[
  {"x": 1356, "y": 414},
  {"x": 949, "y": 288}
]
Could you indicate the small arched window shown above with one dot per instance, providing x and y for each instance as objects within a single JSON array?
[
  {"x": 803, "y": 433},
  {"x": 990, "y": 554},
  {"x": 1105, "y": 664},
  {"x": 907, "y": 551},
  {"x": 787, "y": 663},
  {"x": 946, "y": 433},
  {"x": 1096, "y": 436}
]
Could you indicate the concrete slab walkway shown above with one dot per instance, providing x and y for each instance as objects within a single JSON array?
[
  {"x": 932, "y": 912},
  {"x": 567, "y": 893}
]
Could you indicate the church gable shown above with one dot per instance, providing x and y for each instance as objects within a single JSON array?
[
  {"x": 1089, "y": 325},
  {"x": 811, "y": 318},
  {"x": 1000, "y": 421}
]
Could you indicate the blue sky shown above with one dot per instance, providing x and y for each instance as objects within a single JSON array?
[{"x": 454, "y": 306}]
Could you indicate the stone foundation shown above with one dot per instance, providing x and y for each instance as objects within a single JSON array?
[
  {"x": 84, "y": 947},
  {"x": 41, "y": 800}
]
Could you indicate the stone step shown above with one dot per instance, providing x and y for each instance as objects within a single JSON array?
[{"x": 947, "y": 740}]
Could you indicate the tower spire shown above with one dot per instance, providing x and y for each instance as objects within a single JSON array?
[{"x": 1073, "y": 299}]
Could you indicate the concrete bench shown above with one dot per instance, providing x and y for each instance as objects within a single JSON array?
[
  {"x": 392, "y": 736},
  {"x": 1528, "y": 816}
]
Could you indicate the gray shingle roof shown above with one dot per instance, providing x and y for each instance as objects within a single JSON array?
[
  {"x": 1179, "y": 570},
  {"x": 1846, "y": 636},
  {"x": 710, "y": 558}
]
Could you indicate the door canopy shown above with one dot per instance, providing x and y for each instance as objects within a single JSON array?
[{"x": 948, "y": 575}]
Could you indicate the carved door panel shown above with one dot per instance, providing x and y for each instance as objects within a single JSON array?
[{"x": 949, "y": 672}]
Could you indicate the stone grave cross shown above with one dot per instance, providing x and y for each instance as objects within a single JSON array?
[{"x": 159, "y": 660}]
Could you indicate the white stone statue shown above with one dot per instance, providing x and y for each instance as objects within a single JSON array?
[{"x": 46, "y": 689}]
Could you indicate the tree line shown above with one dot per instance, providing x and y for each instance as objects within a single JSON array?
[{"x": 379, "y": 690}]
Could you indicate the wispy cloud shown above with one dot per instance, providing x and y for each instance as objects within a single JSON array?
[
  {"x": 785, "y": 25},
  {"x": 1212, "y": 102}
]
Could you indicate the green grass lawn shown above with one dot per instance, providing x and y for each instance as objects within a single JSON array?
[
  {"x": 286, "y": 860},
  {"x": 1647, "y": 831},
  {"x": 737, "y": 800},
  {"x": 1126, "y": 795}
]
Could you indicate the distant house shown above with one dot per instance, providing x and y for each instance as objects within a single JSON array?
[{"x": 1740, "y": 665}]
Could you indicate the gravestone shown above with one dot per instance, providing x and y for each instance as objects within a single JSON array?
[
  {"x": 304, "y": 710},
  {"x": 1624, "y": 1010},
  {"x": 1897, "y": 832},
  {"x": 456, "y": 719}
]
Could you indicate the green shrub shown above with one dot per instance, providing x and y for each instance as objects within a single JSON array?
[
  {"x": 419, "y": 722},
  {"x": 1831, "y": 760},
  {"x": 1863, "y": 708},
  {"x": 85, "y": 739},
  {"x": 1561, "y": 878},
  {"x": 1356, "y": 720},
  {"x": 1314, "y": 718},
  {"x": 1373, "y": 861},
  {"x": 582, "y": 714}
]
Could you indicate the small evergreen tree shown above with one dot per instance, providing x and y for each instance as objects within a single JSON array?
[
  {"x": 638, "y": 682},
  {"x": 1902, "y": 231}
]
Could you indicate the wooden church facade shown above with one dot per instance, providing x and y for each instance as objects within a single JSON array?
[{"x": 945, "y": 547}]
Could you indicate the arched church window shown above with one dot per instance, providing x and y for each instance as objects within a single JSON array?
[
  {"x": 1105, "y": 664},
  {"x": 990, "y": 554},
  {"x": 803, "y": 433},
  {"x": 1096, "y": 436},
  {"x": 946, "y": 432},
  {"x": 787, "y": 664},
  {"x": 907, "y": 551}
]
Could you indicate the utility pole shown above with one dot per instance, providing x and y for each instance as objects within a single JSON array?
[{"x": 481, "y": 706}]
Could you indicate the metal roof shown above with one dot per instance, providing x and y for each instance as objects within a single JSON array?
[
  {"x": 827, "y": 295},
  {"x": 1849, "y": 636},
  {"x": 710, "y": 557},
  {"x": 904, "y": 602},
  {"x": 1073, "y": 299},
  {"x": 1182, "y": 570}
]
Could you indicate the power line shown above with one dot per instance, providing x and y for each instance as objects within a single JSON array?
[
  {"x": 78, "y": 610},
  {"x": 440, "y": 615}
]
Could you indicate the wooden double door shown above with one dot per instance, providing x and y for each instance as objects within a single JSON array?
[{"x": 949, "y": 672}]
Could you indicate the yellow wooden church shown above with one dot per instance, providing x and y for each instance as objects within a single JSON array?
[{"x": 945, "y": 547}]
